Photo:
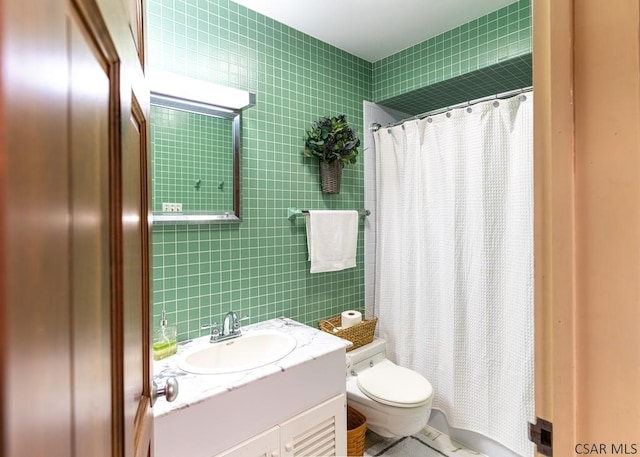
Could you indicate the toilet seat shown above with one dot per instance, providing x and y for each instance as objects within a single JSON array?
[{"x": 392, "y": 385}]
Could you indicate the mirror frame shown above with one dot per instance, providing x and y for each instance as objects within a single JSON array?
[{"x": 187, "y": 94}]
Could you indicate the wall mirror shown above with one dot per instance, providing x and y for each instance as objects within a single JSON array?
[{"x": 196, "y": 149}]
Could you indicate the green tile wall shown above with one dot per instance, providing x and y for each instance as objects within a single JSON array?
[
  {"x": 458, "y": 58},
  {"x": 258, "y": 268}
]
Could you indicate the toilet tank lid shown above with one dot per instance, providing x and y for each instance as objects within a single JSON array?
[{"x": 393, "y": 385}]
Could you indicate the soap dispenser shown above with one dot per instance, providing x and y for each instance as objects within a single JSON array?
[{"x": 164, "y": 339}]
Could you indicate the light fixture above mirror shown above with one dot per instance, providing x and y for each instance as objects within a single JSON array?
[{"x": 203, "y": 93}]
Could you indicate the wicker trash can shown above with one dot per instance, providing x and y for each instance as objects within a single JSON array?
[{"x": 356, "y": 429}]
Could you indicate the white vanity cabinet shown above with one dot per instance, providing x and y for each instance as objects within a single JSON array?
[
  {"x": 266, "y": 444},
  {"x": 293, "y": 407},
  {"x": 320, "y": 431}
]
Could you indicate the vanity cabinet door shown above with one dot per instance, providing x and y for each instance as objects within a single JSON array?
[
  {"x": 320, "y": 431},
  {"x": 266, "y": 444}
]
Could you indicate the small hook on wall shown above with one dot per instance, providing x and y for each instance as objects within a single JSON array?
[{"x": 197, "y": 184}]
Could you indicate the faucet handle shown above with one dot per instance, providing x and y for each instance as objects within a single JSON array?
[
  {"x": 213, "y": 326},
  {"x": 237, "y": 322},
  {"x": 215, "y": 332}
]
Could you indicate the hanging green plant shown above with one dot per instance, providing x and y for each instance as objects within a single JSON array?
[
  {"x": 335, "y": 145},
  {"x": 331, "y": 139}
]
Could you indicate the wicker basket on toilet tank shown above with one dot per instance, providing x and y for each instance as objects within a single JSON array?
[{"x": 359, "y": 334}]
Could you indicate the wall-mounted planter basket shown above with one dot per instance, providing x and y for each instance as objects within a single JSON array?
[
  {"x": 334, "y": 144},
  {"x": 331, "y": 176}
]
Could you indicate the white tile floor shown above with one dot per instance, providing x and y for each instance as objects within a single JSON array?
[{"x": 427, "y": 443}]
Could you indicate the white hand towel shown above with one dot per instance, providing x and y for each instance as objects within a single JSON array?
[{"x": 332, "y": 239}]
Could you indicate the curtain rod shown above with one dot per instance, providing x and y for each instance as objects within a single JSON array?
[{"x": 375, "y": 126}]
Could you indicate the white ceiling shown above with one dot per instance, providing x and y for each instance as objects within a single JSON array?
[{"x": 373, "y": 29}]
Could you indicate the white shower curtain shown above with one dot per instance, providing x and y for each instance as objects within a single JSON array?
[{"x": 454, "y": 261}]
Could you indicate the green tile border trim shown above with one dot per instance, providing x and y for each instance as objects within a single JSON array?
[{"x": 509, "y": 75}]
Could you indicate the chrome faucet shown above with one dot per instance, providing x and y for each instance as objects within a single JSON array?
[{"x": 230, "y": 326}]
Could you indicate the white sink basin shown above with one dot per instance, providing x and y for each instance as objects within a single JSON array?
[{"x": 245, "y": 352}]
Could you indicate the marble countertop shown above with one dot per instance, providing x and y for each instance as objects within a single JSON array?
[{"x": 195, "y": 388}]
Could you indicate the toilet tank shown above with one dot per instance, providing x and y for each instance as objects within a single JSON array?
[{"x": 372, "y": 352}]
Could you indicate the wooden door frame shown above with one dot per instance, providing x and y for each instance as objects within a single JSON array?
[
  {"x": 554, "y": 216},
  {"x": 587, "y": 222}
]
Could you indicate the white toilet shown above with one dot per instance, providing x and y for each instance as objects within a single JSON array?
[{"x": 395, "y": 400}]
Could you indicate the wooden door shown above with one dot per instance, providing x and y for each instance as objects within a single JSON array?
[
  {"x": 74, "y": 231},
  {"x": 90, "y": 236},
  {"x": 35, "y": 289},
  {"x": 138, "y": 416}
]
